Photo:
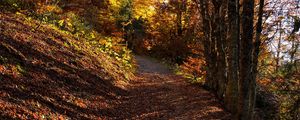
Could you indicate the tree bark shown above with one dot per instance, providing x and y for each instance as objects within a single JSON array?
[
  {"x": 231, "y": 94},
  {"x": 219, "y": 55},
  {"x": 206, "y": 27},
  {"x": 246, "y": 81},
  {"x": 256, "y": 51}
]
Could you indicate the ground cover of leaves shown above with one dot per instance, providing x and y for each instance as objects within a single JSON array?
[{"x": 42, "y": 78}]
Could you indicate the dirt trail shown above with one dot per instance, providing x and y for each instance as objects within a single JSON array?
[{"x": 156, "y": 93}]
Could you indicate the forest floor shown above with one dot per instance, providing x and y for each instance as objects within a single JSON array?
[
  {"x": 157, "y": 93},
  {"x": 42, "y": 77}
]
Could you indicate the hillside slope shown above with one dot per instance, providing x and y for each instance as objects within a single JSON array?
[{"x": 46, "y": 73}]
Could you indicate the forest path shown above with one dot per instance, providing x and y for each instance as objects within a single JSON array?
[{"x": 157, "y": 93}]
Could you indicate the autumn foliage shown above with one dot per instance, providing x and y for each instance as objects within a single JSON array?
[{"x": 239, "y": 57}]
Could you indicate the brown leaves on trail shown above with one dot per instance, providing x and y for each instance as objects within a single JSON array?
[{"x": 159, "y": 94}]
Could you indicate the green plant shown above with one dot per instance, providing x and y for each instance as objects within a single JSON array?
[{"x": 21, "y": 69}]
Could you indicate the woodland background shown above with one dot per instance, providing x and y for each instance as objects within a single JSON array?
[{"x": 245, "y": 51}]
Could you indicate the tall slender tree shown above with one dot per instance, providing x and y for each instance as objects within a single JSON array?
[
  {"x": 246, "y": 81},
  {"x": 231, "y": 95}
]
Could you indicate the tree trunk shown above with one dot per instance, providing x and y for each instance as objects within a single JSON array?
[
  {"x": 219, "y": 55},
  {"x": 222, "y": 52},
  {"x": 246, "y": 81},
  {"x": 206, "y": 27},
  {"x": 277, "y": 60},
  {"x": 257, "y": 44},
  {"x": 231, "y": 95}
]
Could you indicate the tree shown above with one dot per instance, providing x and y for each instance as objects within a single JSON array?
[
  {"x": 246, "y": 82},
  {"x": 231, "y": 96},
  {"x": 240, "y": 68}
]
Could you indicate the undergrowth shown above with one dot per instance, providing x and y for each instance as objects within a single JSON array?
[{"x": 72, "y": 24}]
